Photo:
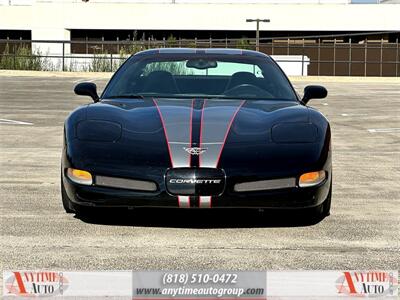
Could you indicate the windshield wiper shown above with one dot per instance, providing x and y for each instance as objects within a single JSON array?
[{"x": 127, "y": 96}]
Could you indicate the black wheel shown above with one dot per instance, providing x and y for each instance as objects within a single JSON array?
[
  {"x": 85, "y": 211},
  {"x": 327, "y": 203},
  {"x": 67, "y": 203},
  {"x": 71, "y": 207},
  {"x": 322, "y": 210}
]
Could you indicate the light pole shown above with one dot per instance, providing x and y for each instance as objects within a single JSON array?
[{"x": 258, "y": 30}]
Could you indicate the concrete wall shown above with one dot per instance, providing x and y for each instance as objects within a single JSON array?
[
  {"x": 30, "y": 2},
  {"x": 50, "y": 20},
  {"x": 54, "y": 20},
  {"x": 293, "y": 65}
]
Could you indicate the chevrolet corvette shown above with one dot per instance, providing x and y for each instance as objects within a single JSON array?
[{"x": 197, "y": 128}]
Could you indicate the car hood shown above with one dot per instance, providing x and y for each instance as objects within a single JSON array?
[
  {"x": 192, "y": 132},
  {"x": 252, "y": 117}
]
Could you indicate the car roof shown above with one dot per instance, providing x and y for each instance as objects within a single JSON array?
[{"x": 227, "y": 51}]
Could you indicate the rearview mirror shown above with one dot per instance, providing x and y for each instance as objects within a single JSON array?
[
  {"x": 87, "y": 89},
  {"x": 201, "y": 64},
  {"x": 314, "y": 92}
]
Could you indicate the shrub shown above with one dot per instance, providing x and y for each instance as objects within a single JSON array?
[
  {"x": 22, "y": 59},
  {"x": 243, "y": 43}
]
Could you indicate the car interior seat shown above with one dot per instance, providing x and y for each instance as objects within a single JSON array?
[
  {"x": 160, "y": 82},
  {"x": 239, "y": 78}
]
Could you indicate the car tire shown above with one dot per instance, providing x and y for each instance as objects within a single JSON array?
[
  {"x": 326, "y": 210},
  {"x": 67, "y": 203},
  {"x": 84, "y": 211},
  {"x": 323, "y": 210}
]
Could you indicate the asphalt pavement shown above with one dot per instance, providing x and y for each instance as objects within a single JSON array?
[{"x": 362, "y": 231}]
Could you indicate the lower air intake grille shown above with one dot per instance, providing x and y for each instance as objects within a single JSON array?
[
  {"x": 263, "y": 185},
  {"x": 130, "y": 184}
]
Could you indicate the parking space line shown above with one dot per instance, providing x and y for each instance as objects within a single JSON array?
[
  {"x": 14, "y": 122},
  {"x": 83, "y": 80},
  {"x": 383, "y": 130},
  {"x": 353, "y": 115}
]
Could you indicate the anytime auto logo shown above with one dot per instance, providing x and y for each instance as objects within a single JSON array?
[
  {"x": 35, "y": 283},
  {"x": 367, "y": 283}
]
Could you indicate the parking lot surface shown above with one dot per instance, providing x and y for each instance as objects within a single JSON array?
[{"x": 362, "y": 231}]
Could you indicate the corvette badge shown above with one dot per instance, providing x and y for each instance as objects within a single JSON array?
[{"x": 195, "y": 150}]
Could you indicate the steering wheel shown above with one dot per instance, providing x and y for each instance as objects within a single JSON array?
[{"x": 248, "y": 90}]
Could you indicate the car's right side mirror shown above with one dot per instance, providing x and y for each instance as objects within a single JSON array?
[
  {"x": 87, "y": 89},
  {"x": 314, "y": 92}
]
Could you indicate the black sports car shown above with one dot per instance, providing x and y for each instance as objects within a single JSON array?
[{"x": 197, "y": 128}]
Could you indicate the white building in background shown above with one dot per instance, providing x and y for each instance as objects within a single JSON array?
[{"x": 56, "y": 19}]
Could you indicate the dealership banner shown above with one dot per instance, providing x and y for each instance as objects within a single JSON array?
[
  {"x": 149, "y": 285},
  {"x": 75, "y": 284},
  {"x": 199, "y": 285}
]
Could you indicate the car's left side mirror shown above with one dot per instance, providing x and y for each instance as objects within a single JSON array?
[
  {"x": 87, "y": 89},
  {"x": 314, "y": 92}
]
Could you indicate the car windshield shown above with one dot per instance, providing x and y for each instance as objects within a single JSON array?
[{"x": 183, "y": 75}]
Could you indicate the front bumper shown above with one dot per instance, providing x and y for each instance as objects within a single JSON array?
[{"x": 288, "y": 198}]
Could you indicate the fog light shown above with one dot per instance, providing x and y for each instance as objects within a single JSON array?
[
  {"x": 79, "y": 176},
  {"x": 311, "y": 178}
]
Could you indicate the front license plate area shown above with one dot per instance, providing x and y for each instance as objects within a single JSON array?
[{"x": 195, "y": 181}]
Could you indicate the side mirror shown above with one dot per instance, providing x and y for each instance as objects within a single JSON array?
[
  {"x": 87, "y": 89},
  {"x": 314, "y": 92}
]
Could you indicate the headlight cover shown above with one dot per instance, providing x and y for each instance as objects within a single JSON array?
[
  {"x": 98, "y": 131},
  {"x": 287, "y": 133}
]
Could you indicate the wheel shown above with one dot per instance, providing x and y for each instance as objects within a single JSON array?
[
  {"x": 71, "y": 207},
  {"x": 67, "y": 203},
  {"x": 326, "y": 210},
  {"x": 322, "y": 210}
]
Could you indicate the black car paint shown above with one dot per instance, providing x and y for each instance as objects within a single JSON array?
[
  {"x": 249, "y": 153},
  {"x": 135, "y": 147}
]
